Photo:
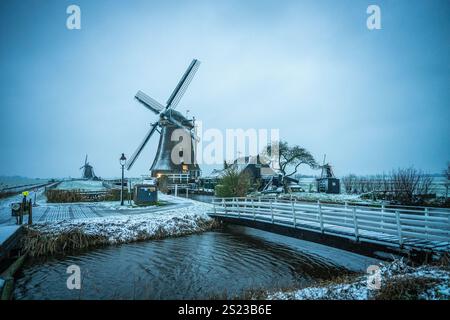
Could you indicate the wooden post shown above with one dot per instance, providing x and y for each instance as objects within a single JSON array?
[
  {"x": 214, "y": 206},
  {"x": 22, "y": 208},
  {"x": 355, "y": 223},
  {"x": 237, "y": 207},
  {"x": 399, "y": 228},
  {"x": 253, "y": 209},
  {"x": 293, "y": 213},
  {"x": 224, "y": 206},
  {"x": 320, "y": 216},
  {"x": 30, "y": 213},
  {"x": 271, "y": 209},
  {"x": 382, "y": 216},
  {"x": 176, "y": 190},
  {"x": 345, "y": 215},
  {"x": 426, "y": 223}
]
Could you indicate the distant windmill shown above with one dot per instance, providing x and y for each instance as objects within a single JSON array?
[
  {"x": 170, "y": 120},
  {"x": 328, "y": 182},
  {"x": 88, "y": 170},
  {"x": 327, "y": 170}
]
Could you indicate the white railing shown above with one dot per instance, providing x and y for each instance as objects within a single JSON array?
[
  {"x": 425, "y": 229},
  {"x": 178, "y": 177}
]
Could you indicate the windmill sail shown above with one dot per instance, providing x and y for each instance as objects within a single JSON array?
[
  {"x": 142, "y": 145},
  {"x": 181, "y": 88},
  {"x": 149, "y": 102}
]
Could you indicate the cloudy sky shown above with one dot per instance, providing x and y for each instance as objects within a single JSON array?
[{"x": 371, "y": 100}]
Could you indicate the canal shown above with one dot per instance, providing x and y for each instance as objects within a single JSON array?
[{"x": 216, "y": 264}]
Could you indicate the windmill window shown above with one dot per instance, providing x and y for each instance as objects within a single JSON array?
[
  {"x": 180, "y": 153},
  {"x": 184, "y": 167}
]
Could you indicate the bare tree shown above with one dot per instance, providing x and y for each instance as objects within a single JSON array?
[
  {"x": 289, "y": 158},
  {"x": 410, "y": 183},
  {"x": 349, "y": 183}
]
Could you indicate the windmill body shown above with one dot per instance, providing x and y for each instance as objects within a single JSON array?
[
  {"x": 88, "y": 170},
  {"x": 177, "y": 141}
]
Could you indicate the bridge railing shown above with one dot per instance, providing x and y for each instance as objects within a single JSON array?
[{"x": 373, "y": 224}]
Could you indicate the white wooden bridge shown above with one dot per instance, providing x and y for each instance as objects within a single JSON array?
[{"x": 403, "y": 228}]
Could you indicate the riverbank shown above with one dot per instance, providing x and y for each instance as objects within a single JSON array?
[
  {"x": 61, "y": 237},
  {"x": 397, "y": 281}
]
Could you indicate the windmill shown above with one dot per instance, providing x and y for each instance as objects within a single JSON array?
[
  {"x": 88, "y": 170},
  {"x": 327, "y": 182},
  {"x": 172, "y": 157},
  {"x": 327, "y": 170}
]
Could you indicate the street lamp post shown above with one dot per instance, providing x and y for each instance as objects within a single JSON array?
[{"x": 123, "y": 160}]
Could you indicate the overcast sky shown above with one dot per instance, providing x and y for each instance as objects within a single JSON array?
[{"x": 371, "y": 100}]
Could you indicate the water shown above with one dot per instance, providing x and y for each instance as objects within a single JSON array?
[
  {"x": 201, "y": 197},
  {"x": 214, "y": 264}
]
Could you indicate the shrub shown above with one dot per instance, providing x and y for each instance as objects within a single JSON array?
[{"x": 233, "y": 184}]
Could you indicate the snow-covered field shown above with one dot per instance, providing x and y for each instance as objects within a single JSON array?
[
  {"x": 86, "y": 185},
  {"x": 390, "y": 274}
]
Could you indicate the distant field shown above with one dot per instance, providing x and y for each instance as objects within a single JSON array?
[
  {"x": 8, "y": 182},
  {"x": 81, "y": 185}
]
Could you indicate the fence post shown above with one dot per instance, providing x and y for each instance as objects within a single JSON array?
[
  {"x": 224, "y": 206},
  {"x": 238, "y": 207},
  {"x": 399, "y": 228},
  {"x": 293, "y": 213},
  {"x": 30, "y": 213},
  {"x": 271, "y": 208},
  {"x": 253, "y": 210},
  {"x": 355, "y": 223},
  {"x": 346, "y": 208},
  {"x": 214, "y": 206},
  {"x": 382, "y": 216},
  {"x": 176, "y": 190},
  {"x": 426, "y": 223},
  {"x": 320, "y": 215}
]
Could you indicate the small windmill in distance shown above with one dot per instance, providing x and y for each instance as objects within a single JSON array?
[
  {"x": 88, "y": 170},
  {"x": 327, "y": 182}
]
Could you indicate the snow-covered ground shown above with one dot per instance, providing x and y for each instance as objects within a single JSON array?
[
  {"x": 358, "y": 289},
  {"x": 133, "y": 227},
  {"x": 86, "y": 185}
]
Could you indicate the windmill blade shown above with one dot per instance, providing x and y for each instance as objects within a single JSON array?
[
  {"x": 85, "y": 160},
  {"x": 180, "y": 89},
  {"x": 82, "y": 167},
  {"x": 149, "y": 102},
  {"x": 141, "y": 146}
]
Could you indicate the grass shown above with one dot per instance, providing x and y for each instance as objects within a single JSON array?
[
  {"x": 405, "y": 288},
  {"x": 38, "y": 244},
  {"x": 7, "y": 194}
]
